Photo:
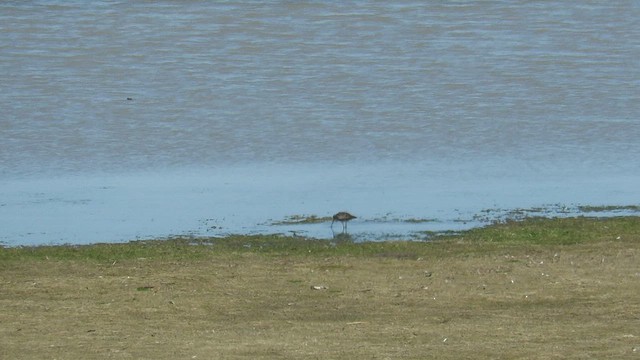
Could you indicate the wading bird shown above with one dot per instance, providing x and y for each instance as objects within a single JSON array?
[{"x": 343, "y": 217}]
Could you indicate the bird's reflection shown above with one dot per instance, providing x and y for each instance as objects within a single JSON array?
[{"x": 342, "y": 238}]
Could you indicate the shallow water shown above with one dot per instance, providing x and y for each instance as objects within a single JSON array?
[
  {"x": 244, "y": 114},
  {"x": 254, "y": 200}
]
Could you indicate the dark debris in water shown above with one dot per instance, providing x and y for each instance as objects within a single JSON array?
[
  {"x": 302, "y": 219},
  {"x": 554, "y": 210}
]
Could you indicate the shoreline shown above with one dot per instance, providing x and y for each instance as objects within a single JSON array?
[
  {"x": 408, "y": 229},
  {"x": 285, "y": 241},
  {"x": 538, "y": 288},
  {"x": 243, "y": 200}
]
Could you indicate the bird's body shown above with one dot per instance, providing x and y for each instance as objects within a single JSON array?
[{"x": 343, "y": 217}]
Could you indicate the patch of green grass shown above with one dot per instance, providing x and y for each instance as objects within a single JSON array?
[
  {"x": 544, "y": 231},
  {"x": 172, "y": 248}
]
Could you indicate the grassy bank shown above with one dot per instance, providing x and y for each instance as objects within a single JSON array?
[{"x": 540, "y": 288}]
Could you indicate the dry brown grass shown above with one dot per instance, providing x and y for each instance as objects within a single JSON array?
[{"x": 457, "y": 300}]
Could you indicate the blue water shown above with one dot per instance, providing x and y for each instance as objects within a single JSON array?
[{"x": 136, "y": 120}]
